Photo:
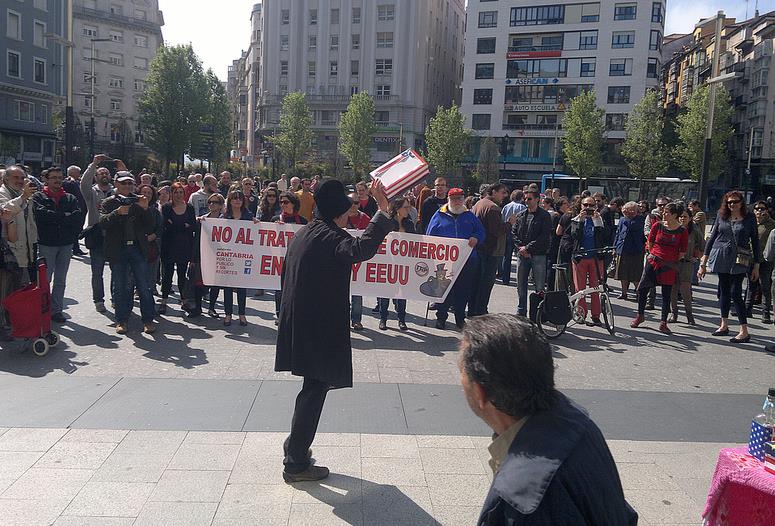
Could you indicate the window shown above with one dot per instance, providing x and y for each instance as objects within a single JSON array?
[
  {"x": 334, "y": 42},
  {"x": 481, "y": 121},
  {"x": 553, "y": 43},
  {"x": 139, "y": 85},
  {"x": 117, "y": 59},
  {"x": 354, "y": 90},
  {"x": 285, "y": 17},
  {"x": 382, "y": 117},
  {"x": 383, "y": 90},
  {"x": 141, "y": 41},
  {"x": 139, "y": 137},
  {"x": 625, "y": 11},
  {"x": 387, "y": 12},
  {"x": 384, "y": 66},
  {"x": 652, "y": 69},
  {"x": 356, "y": 15},
  {"x": 284, "y": 43},
  {"x": 588, "y": 40},
  {"x": 39, "y": 34},
  {"x": 116, "y": 9},
  {"x": 313, "y": 17},
  {"x": 284, "y": 68},
  {"x": 485, "y": 46},
  {"x": 620, "y": 67},
  {"x": 488, "y": 19},
  {"x": 87, "y": 104},
  {"x": 618, "y": 95},
  {"x": 615, "y": 121},
  {"x": 656, "y": 12},
  {"x": 655, "y": 41},
  {"x": 26, "y": 111},
  {"x": 39, "y": 70},
  {"x": 312, "y": 69},
  {"x": 40, "y": 4},
  {"x": 140, "y": 63},
  {"x": 485, "y": 71},
  {"x": 355, "y": 68},
  {"x": 313, "y": 42},
  {"x": 385, "y": 40},
  {"x": 327, "y": 117},
  {"x": 536, "y": 16},
  {"x": 14, "y": 25},
  {"x": 334, "y": 17},
  {"x": 115, "y": 104},
  {"x": 483, "y": 96},
  {"x": 537, "y": 68},
  {"x": 140, "y": 14},
  {"x": 623, "y": 39},
  {"x": 116, "y": 36},
  {"x": 333, "y": 68},
  {"x": 116, "y": 82},
  {"x": 89, "y": 31},
  {"x": 43, "y": 113},
  {"x": 587, "y": 67},
  {"x": 115, "y": 133},
  {"x": 356, "y": 41}
]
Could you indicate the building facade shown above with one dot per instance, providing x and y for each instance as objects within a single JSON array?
[
  {"x": 406, "y": 54},
  {"x": 114, "y": 44},
  {"x": 32, "y": 79},
  {"x": 524, "y": 63}
]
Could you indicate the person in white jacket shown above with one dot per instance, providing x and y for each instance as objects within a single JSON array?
[{"x": 15, "y": 194}]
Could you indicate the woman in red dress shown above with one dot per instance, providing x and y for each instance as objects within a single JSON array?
[{"x": 667, "y": 243}]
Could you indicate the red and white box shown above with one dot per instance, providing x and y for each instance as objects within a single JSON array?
[
  {"x": 401, "y": 172},
  {"x": 769, "y": 457}
]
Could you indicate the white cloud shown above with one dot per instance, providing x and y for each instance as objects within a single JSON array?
[{"x": 682, "y": 15}]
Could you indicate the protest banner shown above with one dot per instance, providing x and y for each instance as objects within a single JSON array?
[
  {"x": 407, "y": 266},
  {"x": 401, "y": 172}
]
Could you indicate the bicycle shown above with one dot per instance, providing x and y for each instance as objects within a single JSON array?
[{"x": 559, "y": 308}]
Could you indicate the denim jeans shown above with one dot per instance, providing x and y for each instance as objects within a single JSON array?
[
  {"x": 484, "y": 280},
  {"x": 524, "y": 265},
  {"x": 356, "y": 309},
  {"x": 97, "y": 261},
  {"x": 400, "y": 306},
  {"x": 132, "y": 261},
  {"x": 57, "y": 263},
  {"x": 505, "y": 271},
  {"x": 458, "y": 296}
]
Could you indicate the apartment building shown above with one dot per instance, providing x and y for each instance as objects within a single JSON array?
[
  {"x": 114, "y": 44},
  {"x": 32, "y": 79},
  {"x": 406, "y": 54},
  {"x": 524, "y": 63}
]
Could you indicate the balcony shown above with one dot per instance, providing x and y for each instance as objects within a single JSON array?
[
  {"x": 327, "y": 99},
  {"x": 525, "y": 49},
  {"x": 102, "y": 16},
  {"x": 534, "y": 130}
]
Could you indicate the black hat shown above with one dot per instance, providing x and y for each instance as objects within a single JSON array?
[{"x": 331, "y": 200}]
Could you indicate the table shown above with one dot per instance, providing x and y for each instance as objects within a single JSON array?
[{"x": 742, "y": 492}]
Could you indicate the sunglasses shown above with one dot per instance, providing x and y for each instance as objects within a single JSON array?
[
  {"x": 284, "y": 202},
  {"x": 760, "y": 209},
  {"x": 588, "y": 205},
  {"x": 734, "y": 202}
]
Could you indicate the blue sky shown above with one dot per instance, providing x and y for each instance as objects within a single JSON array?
[{"x": 219, "y": 31}]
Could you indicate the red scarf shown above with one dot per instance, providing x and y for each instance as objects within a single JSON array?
[
  {"x": 295, "y": 218},
  {"x": 55, "y": 196}
]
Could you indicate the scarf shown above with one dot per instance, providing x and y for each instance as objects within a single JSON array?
[
  {"x": 295, "y": 218},
  {"x": 55, "y": 196}
]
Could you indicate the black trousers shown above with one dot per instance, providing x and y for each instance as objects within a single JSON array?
[
  {"x": 643, "y": 296},
  {"x": 730, "y": 288},
  {"x": 306, "y": 416},
  {"x": 167, "y": 269}
]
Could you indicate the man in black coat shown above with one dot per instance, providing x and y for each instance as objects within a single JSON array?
[
  {"x": 550, "y": 462},
  {"x": 532, "y": 234},
  {"x": 313, "y": 338}
]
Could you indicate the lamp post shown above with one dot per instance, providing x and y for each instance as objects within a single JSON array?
[
  {"x": 504, "y": 151},
  {"x": 92, "y": 76}
]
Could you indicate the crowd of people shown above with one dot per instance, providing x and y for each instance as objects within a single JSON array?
[{"x": 147, "y": 230}]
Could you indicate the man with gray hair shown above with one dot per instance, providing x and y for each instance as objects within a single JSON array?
[
  {"x": 15, "y": 195},
  {"x": 199, "y": 198}
]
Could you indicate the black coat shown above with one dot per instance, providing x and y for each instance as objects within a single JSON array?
[
  {"x": 558, "y": 472},
  {"x": 313, "y": 338},
  {"x": 58, "y": 225},
  {"x": 119, "y": 229},
  {"x": 536, "y": 236}
]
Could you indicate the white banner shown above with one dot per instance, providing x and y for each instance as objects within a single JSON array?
[{"x": 249, "y": 255}]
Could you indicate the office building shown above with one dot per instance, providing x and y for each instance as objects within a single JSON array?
[{"x": 525, "y": 62}]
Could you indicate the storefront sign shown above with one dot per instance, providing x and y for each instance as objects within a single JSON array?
[
  {"x": 534, "y": 107},
  {"x": 531, "y": 81},
  {"x": 533, "y": 54}
]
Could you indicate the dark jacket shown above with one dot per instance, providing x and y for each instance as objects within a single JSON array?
[
  {"x": 313, "y": 338},
  {"x": 74, "y": 187},
  {"x": 430, "y": 206},
  {"x": 57, "y": 225},
  {"x": 629, "y": 235},
  {"x": 609, "y": 224},
  {"x": 489, "y": 213},
  {"x": 119, "y": 230},
  {"x": 558, "y": 472},
  {"x": 177, "y": 239},
  {"x": 725, "y": 238},
  {"x": 575, "y": 235},
  {"x": 537, "y": 236}
]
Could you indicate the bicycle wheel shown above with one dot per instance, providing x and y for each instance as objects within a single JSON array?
[
  {"x": 547, "y": 328},
  {"x": 608, "y": 313}
]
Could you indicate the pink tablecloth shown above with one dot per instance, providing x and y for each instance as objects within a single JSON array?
[{"x": 741, "y": 493}]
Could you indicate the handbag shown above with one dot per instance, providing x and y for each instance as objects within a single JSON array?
[
  {"x": 743, "y": 256},
  {"x": 93, "y": 236}
]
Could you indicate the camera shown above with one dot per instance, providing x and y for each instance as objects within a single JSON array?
[{"x": 127, "y": 200}]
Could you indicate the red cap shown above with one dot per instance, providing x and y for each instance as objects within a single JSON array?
[{"x": 455, "y": 191}]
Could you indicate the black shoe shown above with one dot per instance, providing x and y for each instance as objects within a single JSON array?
[
  {"x": 594, "y": 322},
  {"x": 194, "y": 313},
  {"x": 58, "y": 317},
  {"x": 375, "y": 309},
  {"x": 162, "y": 308},
  {"x": 441, "y": 324},
  {"x": 433, "y": 306},
  {"x": 460, "y": 324},
  {"x": 770, "y": 348},
  {"x": 741, "y": 340},
  {"x": 78, "y": 252},
  {"x": 213, "y": 314},
  {"x": 310, "y": 474},
  {"x": 725, "y": 332},
  {"x": 402, "y": 326},
  {"x": 766, "y": 318},
  {"x": 382, "y": 325}
]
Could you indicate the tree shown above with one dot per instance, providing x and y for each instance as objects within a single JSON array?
[
  {"x": 645, "y": 153},
  {"x": 446, "y": 137},
  {"x": 356, "y": 132},
  {"x": 174, "y": 102},
  {"x": 295, "y": 130},
  {"x": 692, "y": 125},
  {"x": 487, "y": 166},
  {"x": 216, "y": 120},
  {"x": 583, "y": 141}
]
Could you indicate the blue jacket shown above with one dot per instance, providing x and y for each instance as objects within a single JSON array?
[{"x": 464, "y": 226}]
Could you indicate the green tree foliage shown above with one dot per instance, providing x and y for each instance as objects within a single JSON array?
[
  {"x": 295, "y": 134},
  {"x": 446, "y": 137},
  {"x": 692, "y": 125},
  {"x": 643, "y": 149},
  {"x": 219, "y": 117},
  {"x": 583, "y": 141},
  {"x": 356, "y": 132},
  {"x": 487, "y": 166},
  {"x": 174, "y": 102}
]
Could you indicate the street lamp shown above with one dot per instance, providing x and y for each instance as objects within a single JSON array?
[
  {"x": 91, "y": 80},
  {"x": 504, "y": 151}
]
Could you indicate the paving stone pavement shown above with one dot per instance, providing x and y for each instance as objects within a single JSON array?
[{"x": 165, "y": 451}]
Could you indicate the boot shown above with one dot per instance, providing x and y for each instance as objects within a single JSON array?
[
  {"x": 689, "y": 312},
  {"x": 663, "y": 328},
  {"x": 766, "y": 316}
]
